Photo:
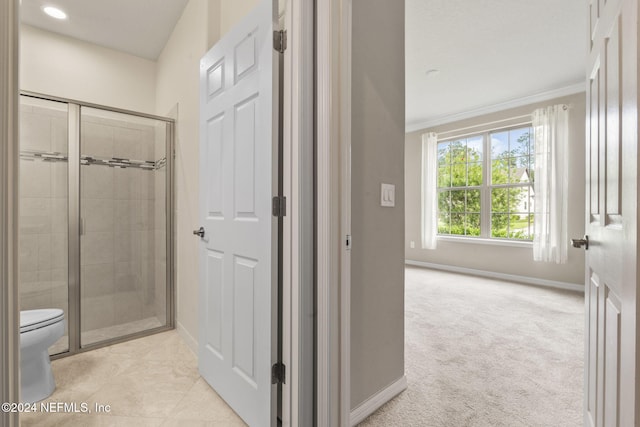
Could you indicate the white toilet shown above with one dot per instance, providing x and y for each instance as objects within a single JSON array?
[{"x": 39, "y": 329}]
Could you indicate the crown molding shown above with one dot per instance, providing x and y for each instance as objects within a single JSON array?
[{"x": 519, "y": 102}]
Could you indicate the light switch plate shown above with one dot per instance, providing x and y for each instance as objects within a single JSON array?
[{"x": 387, "y": 195}]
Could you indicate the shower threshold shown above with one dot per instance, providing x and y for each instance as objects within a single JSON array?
[{"x": 106, "y": 336}]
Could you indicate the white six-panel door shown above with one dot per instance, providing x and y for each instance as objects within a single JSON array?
[
  {"x": 238, "y": 253},
  {"x": 611, "y": 278}
]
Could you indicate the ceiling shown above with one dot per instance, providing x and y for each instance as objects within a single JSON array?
[
  {"x": 489, "y": 52},
  {"x": 138, "y": 27}
]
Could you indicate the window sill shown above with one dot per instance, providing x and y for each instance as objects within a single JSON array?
[{"x": 485, "y": 241}]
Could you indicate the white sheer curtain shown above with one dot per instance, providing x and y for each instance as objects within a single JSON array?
[
  {"x": 429, "y": 190},
  {"x": 551, "y": 139}
]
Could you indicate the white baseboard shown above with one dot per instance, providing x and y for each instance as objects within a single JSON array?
[
  {"x": 501, "y": 276},
  {"x": 191, "y": 342},
  {"x": 373, "y": 403}
]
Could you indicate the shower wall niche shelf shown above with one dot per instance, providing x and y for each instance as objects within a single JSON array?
[{"x": 114, "y": 162}]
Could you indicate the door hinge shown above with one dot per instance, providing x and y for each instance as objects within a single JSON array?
[
  {"x": 348, "y": 242},
  {"x": 279, "y": 206},
  {"x": 278, "y": 373},
  {"x": 280, "y": 40}
]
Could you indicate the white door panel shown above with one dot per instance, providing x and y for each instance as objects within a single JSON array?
[
  {"x": 238, "y": 177},
  {"x": 611, "y": 279}
]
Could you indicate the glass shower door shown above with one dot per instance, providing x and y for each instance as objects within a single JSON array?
[
  {"x": 44, "y": 204},
  {"x": 123, "y": 201}
]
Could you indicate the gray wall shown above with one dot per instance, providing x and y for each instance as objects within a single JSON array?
[
  {"x": 502, "y": 259},
  {"x": 377, "y": 277}
]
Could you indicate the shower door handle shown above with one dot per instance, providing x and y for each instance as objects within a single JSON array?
[{"x": 199, "y": 232}]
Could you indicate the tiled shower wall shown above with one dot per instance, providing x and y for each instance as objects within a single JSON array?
[
  {"x": 119, "y": 211},
  {"x": 43, "y": 210}
]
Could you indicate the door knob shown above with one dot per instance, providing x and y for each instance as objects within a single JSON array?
[
  {"x": 199, "y": 232},
  {"x": 578, "y": 243}
]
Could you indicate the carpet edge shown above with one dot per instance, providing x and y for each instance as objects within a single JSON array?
[{"x": 501, "y": 276}]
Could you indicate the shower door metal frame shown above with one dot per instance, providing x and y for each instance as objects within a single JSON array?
[
  {"x": 74, "y": 253},
  {"x": 73, "y": 222}
]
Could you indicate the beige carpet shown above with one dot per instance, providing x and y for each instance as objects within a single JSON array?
[{"x": 482, "y": 352}]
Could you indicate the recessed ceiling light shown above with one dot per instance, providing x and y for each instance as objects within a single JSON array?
[
  {"x": 54, "y": 12},
  {"x": 432, "y": 72}
]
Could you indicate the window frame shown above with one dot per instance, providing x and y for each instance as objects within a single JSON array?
[{"x": 486, "y": 187}]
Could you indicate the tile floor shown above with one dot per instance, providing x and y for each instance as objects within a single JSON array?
[{"x": 152, "y": 381}]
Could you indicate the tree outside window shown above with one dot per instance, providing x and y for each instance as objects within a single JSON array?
[{"x": 504, "y": 179}]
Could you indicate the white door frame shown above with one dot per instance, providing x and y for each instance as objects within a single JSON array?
[
  {"x": 332, "y": 311},
  {"x": 333, "y": 59},
  {"x": 345, "y": 217},
  {"x": 297, "y": 180},
  {"x": 9, "y": 152}
]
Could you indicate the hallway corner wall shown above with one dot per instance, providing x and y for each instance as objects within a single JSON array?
[{"x": 377, "y": 267}]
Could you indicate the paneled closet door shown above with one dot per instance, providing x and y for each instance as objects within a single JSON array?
[
  {"x": 611, "y": 350},
  {"x": 44, "y": 204}
]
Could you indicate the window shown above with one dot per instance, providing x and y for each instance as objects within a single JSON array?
[{"x": 485, "y": 185}]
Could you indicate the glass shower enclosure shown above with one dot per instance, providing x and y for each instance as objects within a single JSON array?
[{"x": 95, "y": 219}]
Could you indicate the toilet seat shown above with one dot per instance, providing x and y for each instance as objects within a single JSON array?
[{"x": 36, "y": 319}]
